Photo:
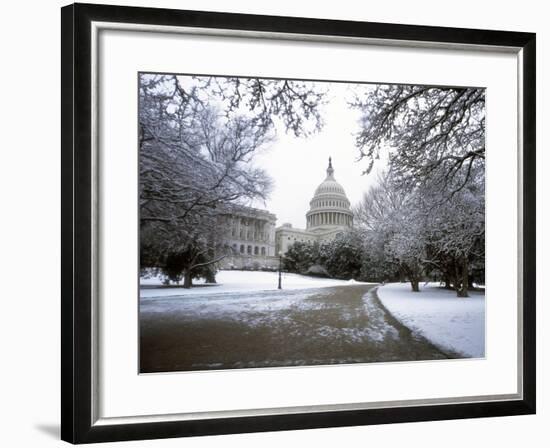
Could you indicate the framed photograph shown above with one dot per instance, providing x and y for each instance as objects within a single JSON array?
[{"x": 275, "y": 223}]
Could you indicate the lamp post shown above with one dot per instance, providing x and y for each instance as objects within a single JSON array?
[{"x": 280, "y": 267}]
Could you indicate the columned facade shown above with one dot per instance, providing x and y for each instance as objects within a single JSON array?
[
  {"x": 330, "y": 206},
  {"x": 329, "y": 215},
  {"x": 251, "y": 239}
]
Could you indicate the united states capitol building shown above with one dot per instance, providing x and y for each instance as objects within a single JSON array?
[{"x": 257, "y": 242}]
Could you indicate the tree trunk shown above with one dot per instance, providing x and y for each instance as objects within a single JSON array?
[
  {"x": 456, "y": 280},
  {"x": 210, "y": 277},
  {"x": 401, "y": 276},
  {"x": 463, "y": 291},
  {"x": 414, "y": 285},
  {"x": 187, "y": 279},
  {"x": 448, "y": 283}
]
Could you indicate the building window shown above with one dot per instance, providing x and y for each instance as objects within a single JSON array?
[
  {"x": 242, "y": 248},
  {"x": 263, "y": 250},
  {"x": 249, "y": 250},
  {"x": 255, "y": 250}
]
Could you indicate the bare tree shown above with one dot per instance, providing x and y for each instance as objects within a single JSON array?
[
  {"x": 393, "y": 231},
  {"x": 432, "y": 134},
  {"x": 185, "y": 189},
  {"x": 417, "y": 233},
  {"x": 198, "y": 137},
  {"x": 456, "y": 231},
  {"x": 296, "y": 103}
]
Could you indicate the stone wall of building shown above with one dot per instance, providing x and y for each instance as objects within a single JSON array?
[
  {"x": 253, "y": 263},
  {"x": 286, "y": 236},
  {"x": 251, "y": 236}
]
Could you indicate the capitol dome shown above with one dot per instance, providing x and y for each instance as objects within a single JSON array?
[
  {"x": 329, "y": 186},
  {"x": 329, "y": 207}
]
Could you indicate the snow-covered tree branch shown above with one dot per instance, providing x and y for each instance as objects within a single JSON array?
[
  {"x": 198, "y": 137},
  {"x": 428, "y": 134}
]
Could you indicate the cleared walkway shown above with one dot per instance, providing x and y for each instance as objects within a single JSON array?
[{"x": 318, "y": 326}]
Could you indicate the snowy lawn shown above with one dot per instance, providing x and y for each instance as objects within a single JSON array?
[
  {"x": 451, "y": 323},
  {"x": 238, "y": 281}
]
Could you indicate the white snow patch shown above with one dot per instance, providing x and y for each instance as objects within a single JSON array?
[
  {"x": 239, "y": 306},
  {"x": 236, "y": 281},
  {"x": 379, "y": 329},
  {"x": 449, "y": 322}
]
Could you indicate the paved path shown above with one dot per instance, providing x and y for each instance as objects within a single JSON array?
[{"x": 333, "y": 325}]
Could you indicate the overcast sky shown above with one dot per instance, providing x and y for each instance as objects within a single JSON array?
[{"x": 298, "y": 165}]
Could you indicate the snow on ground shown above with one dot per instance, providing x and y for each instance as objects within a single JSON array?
[
  {"x": 449, "y": 322},
  {"x": 252, "y": 307},
  {"x": 239, "y": 281}
]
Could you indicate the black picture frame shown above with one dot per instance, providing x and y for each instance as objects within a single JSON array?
[{"x": 77, "y": 424}]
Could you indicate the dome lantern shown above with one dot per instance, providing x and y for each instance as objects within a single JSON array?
[{"x": 330, "y": 170}]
